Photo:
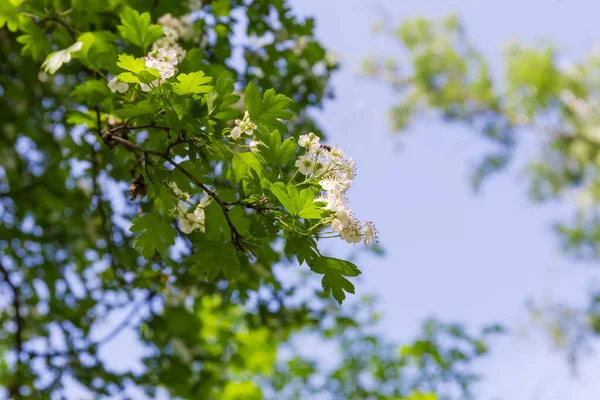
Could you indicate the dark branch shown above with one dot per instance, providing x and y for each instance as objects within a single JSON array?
[
  {"x": 13, "y": 390},
  {"x": 253, "y": 205},
  {"x": 236, "y": 238}
]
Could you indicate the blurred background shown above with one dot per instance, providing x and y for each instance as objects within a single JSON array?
[{"x": 471, "y": 257}]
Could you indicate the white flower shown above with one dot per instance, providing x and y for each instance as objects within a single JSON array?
[
  {"x": 171, "y": 23},
  {"x": 55, "y": 60},
  {"x": 178, "y": 192},
  {"x": 236, "y": 132},
  {"x": 337, "y": 225},
  {"x": 300, "y": 45},
  {"x": 335, "y": 185},
  {"x": 254, "y": 145},
  {"x": 319, "y": 68},
  {"x": 194, "y": 5},
  {"x": 352, "y": 232},
  {"x": 165, "y": 43},
  {"x": 305, "y": 164},
  {"x": 243, "y": 125},
  {"x": 116, "y": 85},
  {"x": 205, "y": 202},
  {"x": 308, "y": 140},
  {"x": 188, "y": 223},
  {"x": 199, "y": 214},
  {"x": 168, "y": 55},
  {"x": 165, "y": 69},
  {"x": 370, "y": 232}
]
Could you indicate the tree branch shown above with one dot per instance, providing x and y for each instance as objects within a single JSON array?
[
  {"x": 236, "y": 238},
  {"x": 13, "y": 389}
]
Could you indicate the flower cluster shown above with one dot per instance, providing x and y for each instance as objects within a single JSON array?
[
  {"x": 334, "y": 172},
  {"x": 164, "y": 61},
  {"x": 243, "y": 125},
  {"x": 166, "y": 53},
  {"x": 189, "y": 221},
  {"x": 173, "y": 29}
]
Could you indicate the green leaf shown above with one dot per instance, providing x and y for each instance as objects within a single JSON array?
[
  {"x": 242, "y": 166},
  {"x": 225, "y": 99},
  {"x": 271, "y": 148},
  {"x": 130, "y": 63},
  {"x": 76, "y": 117},
  {"x": 338, "y": 285},
  {"x": 214, "y": 257},
  {"x": 98, "y": 49},
  {"x": 308, "y": 208},
  {"x": 297, "y": 203},
  {"x": 334, "y": 270},
  {"x": 156, "y": 234},
  {"x": 149, "y": 75},
  {"x": 303, "y": 247},
  {"x": 343, "y": 267},
  {"x": 134, "y": 110},
  {"x": 34, "y": 40},
  {"x": 268, "y": 109},
  {"x": 137, "y": 29},
  {"x": 9, "y": 14},
  {"x": 221, "y": 8},
  {"x": 128, "y": 77},
  {"x": 194, "y": 83},
  {"x": 242, "y": 391},
  {"x": 92, "y": 92},
  {"x": 290, "y": 202},
  {"x": 288, "y": 149}
]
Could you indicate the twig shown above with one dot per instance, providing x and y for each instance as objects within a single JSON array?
[
  {"x": 72, "y": 32},
  {"x": 13, "y": 390},
  {"x": 254, "y": 205},
  {"x": 236, "y": 238}
]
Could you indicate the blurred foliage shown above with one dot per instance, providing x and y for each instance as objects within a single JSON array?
[
  {"x": 70, "y": 278},
  {"x": 440, "y": 73}
]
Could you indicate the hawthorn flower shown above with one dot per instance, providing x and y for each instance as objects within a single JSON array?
[
  {"x": 352, "y": 232},
  {"x": 253, "y": 145},
  {"x": 164, "y": 55},
  {"x": 115, "y": 85},
  {"x": 165, "y": 66},
  {"x": 308, "y": 140},
  {"x": 334, "y": 172},
  {"x": 299, "y": 45},
  {"x": 193, "y": 221},
  {"x": 55, "y": 60},
  {"x": 177, "y": 26},
  {"x": 190, "y": 222},
  {"x": 305, "y": 164},
  {"x": 335, "y": 185},
  {"x": 369, "y": 232},
  {"x": 244, "y": 125},
  {"x": 166, "y": 43},
  {"x": 178, "y": 192}
]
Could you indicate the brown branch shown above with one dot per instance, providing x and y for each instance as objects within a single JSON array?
[
  {"x": 254, "y": 205},
  {"x": 72, "y": 32},
  {"x": 236, "y": 238},
  {"x": 13, "y": 390},
  {"x": 149, "y": 126}
]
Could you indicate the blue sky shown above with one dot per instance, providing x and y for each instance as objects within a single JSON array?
[{"x": 452, "y": 254}]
